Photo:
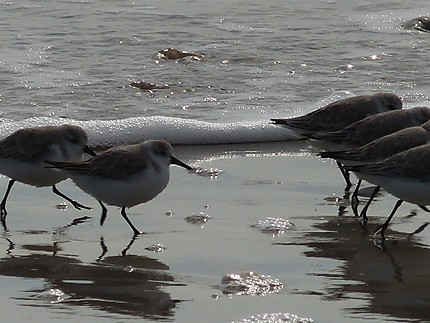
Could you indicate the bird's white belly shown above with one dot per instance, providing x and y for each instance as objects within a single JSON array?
[
  {"x": 34, "y": 174},
  {"x": 414, "y": 192},
  {"x": 140, "y": 188}
]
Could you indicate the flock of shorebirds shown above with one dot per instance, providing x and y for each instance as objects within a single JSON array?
[
  {"x": 377, "y": 140},
  {"x": 122, "y": 176},
  {"x": 369, "y": 135}
]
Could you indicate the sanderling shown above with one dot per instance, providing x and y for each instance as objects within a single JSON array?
[
  {"x": 383, "y": 147},
  {"x": 22, "y": 156},
  {"x": 124, "y": 176},
  {"x": 342, "y": 113},
  {"x": 373, "y": 127},
  {"x": 379, "y": 150},
  {"x": 404, "y": 175},
  {"x": 369, "y": 129}
]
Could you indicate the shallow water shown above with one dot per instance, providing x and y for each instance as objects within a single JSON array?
[
  {"x": 74, "y": 60},
  {"x": 60, "y": 264}
]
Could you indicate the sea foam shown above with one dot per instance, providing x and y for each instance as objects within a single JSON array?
[{"x": 178, "y": 131}]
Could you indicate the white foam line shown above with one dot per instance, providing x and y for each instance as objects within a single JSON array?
[{"x": 178, "y": 131}]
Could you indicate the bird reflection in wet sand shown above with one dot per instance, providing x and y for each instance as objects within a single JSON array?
[
  {"x": 382, "y": 278},
  {"x": 11, "y": 246},
  {"x": 75, "y": 222},
  {"x": 104, "y": 249},
  {"x": 126, "y": 285},
  {"x": 123, "y": 252},
  {"x": 124, "y": 176},
  {"x": 343, "y": 205}
]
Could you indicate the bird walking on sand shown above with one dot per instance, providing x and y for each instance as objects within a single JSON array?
[
  {"x": 379, "y": 150},
  {"x": 369, "y": 129},
  {"x": 22, "y": 156},
  {"x": 124, "y": 176},
  {"x": 341, "y": 113},
  {"x": 404, "y": 175}
]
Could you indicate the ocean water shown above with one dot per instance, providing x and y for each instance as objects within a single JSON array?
[
  {"x": 73, "y": 62},
  {"x": 75, "y": 59}
]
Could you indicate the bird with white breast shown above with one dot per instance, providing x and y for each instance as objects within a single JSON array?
[
  {"x": 124, "y": 176},
  {"x": 22, "y": 156},
  {"x": 404, "y": 175}
]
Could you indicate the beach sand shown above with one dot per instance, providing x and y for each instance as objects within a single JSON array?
[{"x": 60, "y": 264}]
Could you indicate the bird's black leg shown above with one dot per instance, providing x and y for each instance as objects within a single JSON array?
[
  {"x": 345, "y": 175},
  {"x": 77, "y": 205},
  {"x": 423, "y": 207},
  {"x": 382, "y": 228},
  {"x": 3, "y": 211},
  {"x": 124, "y": 215},
  {"x": 104, "y": 212},
  {"x": 363, "y": 213}
]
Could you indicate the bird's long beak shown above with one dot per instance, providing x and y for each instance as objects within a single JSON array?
[
  {"x": 89, "y": 151},
  {"x": 176, "y": 161}
]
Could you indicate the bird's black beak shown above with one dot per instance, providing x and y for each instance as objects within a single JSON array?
[
  {"x": 176, "y": 161},
  {"x": 89, "y": 151}
]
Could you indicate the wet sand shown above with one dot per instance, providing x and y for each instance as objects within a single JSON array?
[{"x": 60, "y": 264}]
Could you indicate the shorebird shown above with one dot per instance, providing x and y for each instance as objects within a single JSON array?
[
  {"x": 341, "y": 113},
  {"x": 369, "y": 129},
  {"x": 124, "y": 176},
  {"x": 379, "y": 150},
  {"x": 404, "y": 175},
  {"x": 22, "y": 156}
]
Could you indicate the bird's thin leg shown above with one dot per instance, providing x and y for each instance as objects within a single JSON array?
[
  {"x": 124, "y": 215},
  {"x": 345, "y": 175},
  {"x": 420, "y": 229},
  {"x": 423, "y": 207},
  {"x": 3, "y": 211},
  {"x": 363, "y": 213},
  {"x": 104, "y": 212},
  {"x": 382, "y": 228},
  {"x": 77, "y": 205},
  {"x": 354, "y": 198}
]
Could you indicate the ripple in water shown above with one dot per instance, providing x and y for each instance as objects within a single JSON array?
[
  {"x": 273, "y": 225},
  {"x": 204, "y": 172},
  {"x": 61, "y": 206},
  {"x": 198, "y": 218},
  {"x": 156, "y": 248},
  {"x": 337, "y": 200},
  {"x": 53, "y": 295},
  {"x": 275, "y": 318},
  {"x": 250, "y": 283}
]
